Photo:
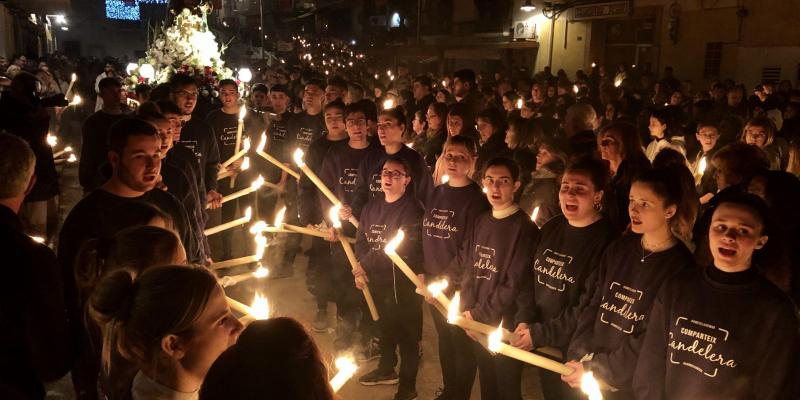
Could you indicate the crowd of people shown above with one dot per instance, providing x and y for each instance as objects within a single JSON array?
[{"x": 645, "y": 229}]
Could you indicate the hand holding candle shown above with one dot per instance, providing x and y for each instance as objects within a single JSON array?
[
  {"x": 351, "y": 257},
  {"x": 257, "y": 184},
  {"x": 298, "y": 159}
]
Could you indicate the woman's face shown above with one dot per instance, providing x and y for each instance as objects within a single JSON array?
[
  {"x": 215, "y": 330},
  {"x": 610, "y": 112},
  {"x": 455, "y": 125},
  {"x": 543, "y": 157},
  {"x": 499, "y": 186},
  {"x": 389, "y": 131},
  {"x": 508, "y": 105},
  {"x": 434, "y": 122},
  {"x": 675, "y": 99},
  {"x": 418, "y": 125},
  {"x": 378, "y": 93},
  {"x": 735, "y": 233},
  {"x": 647, "y": 210},
  {"x": 441, "y": 98},
  {"x": 578, "y": 196},
  {"x": 756, "y": 136},
  {"x": 485, "y": 129},
  {"x": 457, "y": 161},
  {"x": 656, "y": 128},
  {"x": 609, "y": 148},
  {"x": 511, "y": 137}
]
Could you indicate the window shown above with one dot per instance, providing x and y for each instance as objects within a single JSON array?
[
  {"x": 770, "y": 74},
  {"x": 713, "y": 60}
]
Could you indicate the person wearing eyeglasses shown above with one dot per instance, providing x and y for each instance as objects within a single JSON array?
[
  {"x": 496, "y": 261},
  {"x": 399, "y": 307}
]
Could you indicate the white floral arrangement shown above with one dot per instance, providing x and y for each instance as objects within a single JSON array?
[{"x": 188, "y": 47}]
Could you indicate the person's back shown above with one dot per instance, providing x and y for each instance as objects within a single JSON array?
[{"x": 34, "y": 343}]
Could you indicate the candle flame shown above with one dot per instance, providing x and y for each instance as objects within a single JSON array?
[
  {"x": 535, "y": 214},
  {"x": 454, "y": 309},
  {"x": 496, "y": 338},
  {"x": 617, "y": 82},
  {"x": 259, "y": 309},
  {"x": 702, "y": 167},
  {"x": 248, "y": 214},
  {"x": 246, "y": 146},
  {"x": 259, "y": 226},
  {"x": 263, "y": 143},
  {"x": 261, "y": 245},
  {"x": 485, "y": 190},
  {"x": 246, "y": 163},
  {"x": 444, "y": 83},
  {"x": 242, "y": 112},
  {"x": 72, "y": 158},
  {"x": 257, "y": 183},
  {"x": 260, "y": 272},
  {"x": 594, "y": 65},
  {"x": 445, "y": 178},
  {"x": 68, "y": 149},
  {"x": 388, "y": 72},
  {"x": 575, "y": 89},
  {"x": 520, "y": 103},
  {"x": 74, "y": 77},
  {"x": 52, "y": 140},
  {"x": 388, "y": 104},
  {"x": 76, "y": 100},
  {"x": 391, "y": 247},
  {"x": 333, "y": 214},
  {"x": 38, "y": 239},
  {"x": 590, "y": 387},
  {"x": 298, "y": 157},
  {"x": 346, "y": 367},
  {"x": 279, "y": 217},
  {"x": 437, "y": 287}
]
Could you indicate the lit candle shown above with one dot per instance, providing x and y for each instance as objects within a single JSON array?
[
  {"x": 617, "y": 82},
  {"x": 520, "y": 103},
  {"x": 346, "y": 367},
  {"x": 496, "y": 345},
  {"x": 67, "y": 149},
  {"x": 391, "y": 250},
  {"x": 298, "y": 159},
  {"x": 77, "y": 100},
  {"x": 239, "y": 154},
  {"x": 701, "y": 169},
  {"x": 388, "y": 104},
  {"x": 445, "y": 179},
  {"x": 273, "y": 160},
  {"x": 71, "y": 84},
  {"x": 240, "y": 127},
  {"x": 257, "y": 184},
  {"x": 535, "y": 214},
  {"x": 590, "y": 387},
  {"x": 261, "y": 246},
  {"x": 259, "y": 273},
  {"x": 248, "y": 215},
  {"x": 454, "y": 318},
  {"x": 351, "y": 257},
  {"x": 575, "y": 89},
  {"x": 52, "y": 140}
]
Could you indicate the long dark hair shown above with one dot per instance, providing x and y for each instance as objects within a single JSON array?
[
  {"x": 273, "y": 359},
  {"x": 664, "y": 182}
]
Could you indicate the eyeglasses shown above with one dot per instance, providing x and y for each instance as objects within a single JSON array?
[
  {"x": 489, "y": 181},
  {"x": 184, "y": 93},
  {"x": 392, "y": 174},
  {"x": 356, "y": 122}
]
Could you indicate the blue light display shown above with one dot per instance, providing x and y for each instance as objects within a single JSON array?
[{"x": 119, "y": 9}]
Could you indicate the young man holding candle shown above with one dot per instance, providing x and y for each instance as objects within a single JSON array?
[
  {"x": 224, "y": 123},
  {"x": 301, "y": 130},
  {"x": 34, "y": 340},
  {"x": 496, "y": 259},
  {"x": 708, "y": 136},
  {"x": 135, "y": 158},
  {"x": 338, "y": 172},
  {"x": 400, "y": 308},
  {"x": 723, "y": 331},
  {"x": 276, "y": 121},
  {"x": 309, "y": 201},
  {"x": 197, "y": 136}
]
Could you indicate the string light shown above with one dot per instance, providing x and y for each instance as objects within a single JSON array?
[{"x": 119, "y": 9}]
